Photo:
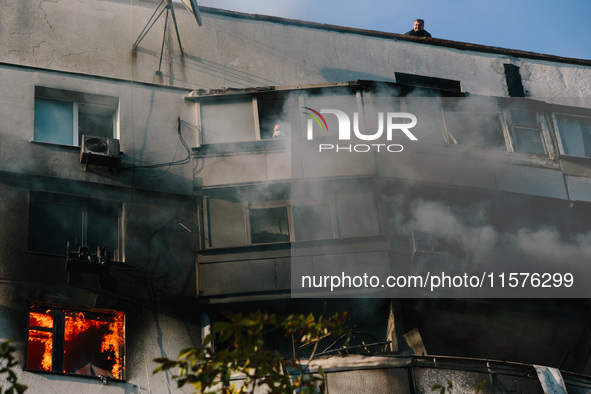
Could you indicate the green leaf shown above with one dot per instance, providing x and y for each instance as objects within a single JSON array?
[{"x": 242, "y": 349}]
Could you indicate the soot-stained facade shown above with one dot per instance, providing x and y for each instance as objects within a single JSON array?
[{"x": 294, "y": 167}]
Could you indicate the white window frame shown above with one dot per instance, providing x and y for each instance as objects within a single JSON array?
[
  {"x": 557, "y": 131},
  {"x": 76, "y": 98},
  {"x": 510, "y": 134},
  {"x": 507, "y": 128}
]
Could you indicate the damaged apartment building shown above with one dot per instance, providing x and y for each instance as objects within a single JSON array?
[{"x": 159, "y": 167}]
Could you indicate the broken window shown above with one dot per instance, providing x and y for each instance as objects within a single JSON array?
[
  {"x": 269, "y": 225},
  {"x": 475, "y": 129},
  {"x": 302, "y": 221},
  {"x": 57, "y": 219},
  {"x": 62, "y": 117},
  {"x": 575, "y": 135},
  {"x": 89, "y": 343}
]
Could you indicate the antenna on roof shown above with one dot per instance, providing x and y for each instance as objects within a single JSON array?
[{"x": 193, "y": 8}]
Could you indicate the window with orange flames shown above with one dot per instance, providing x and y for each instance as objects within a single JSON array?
[{"x": 79, "y": 342}]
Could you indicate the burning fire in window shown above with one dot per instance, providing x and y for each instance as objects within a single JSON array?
[
  {"x": 79, "y": 342},
  {"x": 39, "y": 338}
]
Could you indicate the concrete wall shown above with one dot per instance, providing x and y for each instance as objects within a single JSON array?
[
  {"x": 149, "y": 335},
  {"x": 147, "y": 122},
  {"x": 86, "y": 46},
  {"x": 230, "y": 51}
]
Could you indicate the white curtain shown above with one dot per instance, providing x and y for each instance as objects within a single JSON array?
[{"x": 575, "y": 134}]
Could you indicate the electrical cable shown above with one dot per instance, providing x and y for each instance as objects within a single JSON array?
[{"x": 186, "y": 160}]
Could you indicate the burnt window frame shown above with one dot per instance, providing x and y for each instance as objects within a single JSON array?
[
  {"x": 267, "y": 206},
  {"x": 84, "y": 208},
  {"x": 448, "y": 132},
  {"x": 58, "y": 334},
  {"x": 297, "y": 122},
  {"x": 289, "y": 206},
  {"x": 264, "y": 120}
]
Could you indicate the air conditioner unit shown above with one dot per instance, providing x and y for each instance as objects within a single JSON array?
[{"x": 100, "y": 151}]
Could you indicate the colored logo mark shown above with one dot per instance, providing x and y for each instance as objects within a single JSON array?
[{"x": 316, "y": 115}]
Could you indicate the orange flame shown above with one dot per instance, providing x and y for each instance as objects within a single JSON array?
[
  {"x": 43, "y": 320},
  {"x": 77, "y": 323},
  {"x": 113, "y": 341},
  {"x": 37, "y": 319},
  {"x": 46, "y": 339}
]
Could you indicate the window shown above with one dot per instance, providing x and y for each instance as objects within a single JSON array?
[
  {"x": 575, "y": 135},
  {"x": 299, "y": 221},
  {"x": 57, "y": 219},
  {"x": 269, "y": 225},
  {"x": 62, "y": 117},
  {"x": 475, "y": 129},
  {"x": 273, "y": 110},
  {"x": 229, "y": 120},
  {"x": 89, "y": 343},
  {"x": 485, "y": 123},
  {"x": 526, "y": 132},
  {"x": 245, "y": 119}
]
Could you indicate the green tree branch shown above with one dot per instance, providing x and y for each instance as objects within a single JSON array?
[{"x": 243, "y": 353}]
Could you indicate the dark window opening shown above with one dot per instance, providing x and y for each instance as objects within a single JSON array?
[
  {"x": 56, "y": 220},
  {"x": 78, "y": 342},
  {"x": 269, "y": 225},
  {"x": 272, "y": 118},
  {"x": 428, "y": 82},
  {"x": 513, "y": 79}
]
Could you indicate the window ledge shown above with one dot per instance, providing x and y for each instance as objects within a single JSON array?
[
  {"x": 290, "y": 245},
  {"x": 75, "y": 375},
  {"x": 575, "y": 165},
  {"x": 73, "y": 148},
  {"x": 233, "y": 148},
  {"x": 576, "y": 159}
]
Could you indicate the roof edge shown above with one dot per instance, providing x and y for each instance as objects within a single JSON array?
[{"x": 401, "y": 37}]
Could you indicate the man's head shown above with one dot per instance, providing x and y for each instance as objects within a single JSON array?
[{"x": 419, "y": 25}]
